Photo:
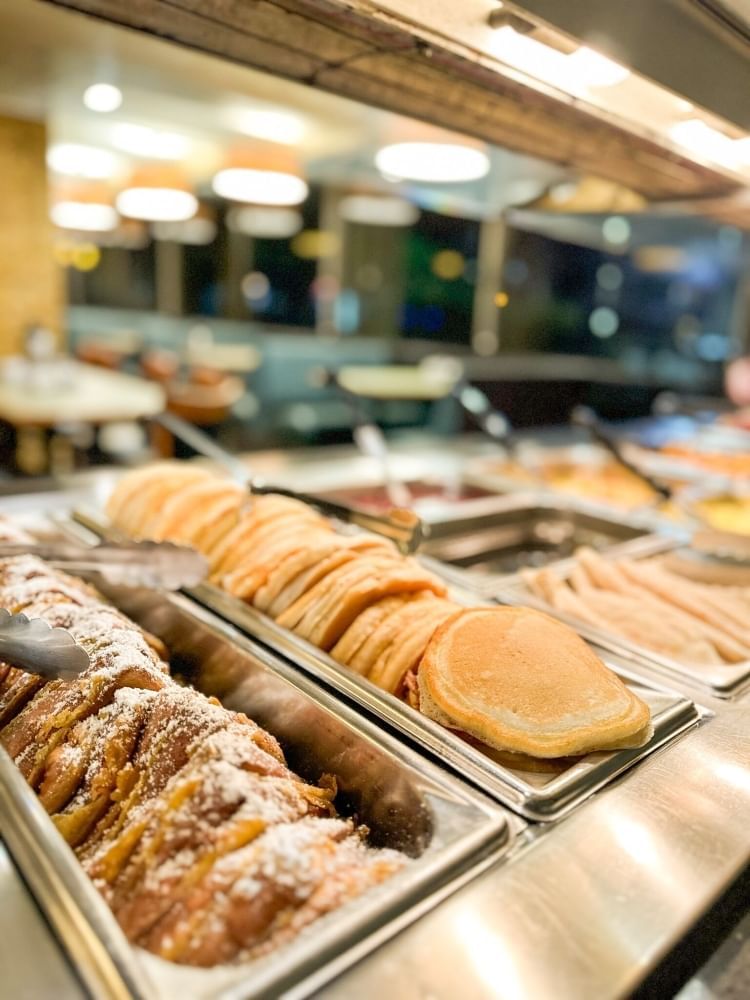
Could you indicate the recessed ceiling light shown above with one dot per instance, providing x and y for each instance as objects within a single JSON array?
[
  {"x": 592, "y": 69},
  {"x": 84, "y": 216},
  {"x": 263, "y": 123},
  {"x": 572, "y": 72},
  {"x": 260, "y": 187},
  {"x": 102, "y": 97},
  {"x": 432, "y": 162},
  {"x": 76, "y": 160},
  {"x": 532, "y": 57},
  {"x": 139, "y": 140},
  {"x": 157, "y": 204}
]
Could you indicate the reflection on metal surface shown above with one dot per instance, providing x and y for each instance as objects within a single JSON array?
[
  {"x": 488, "y": 953},
  {"x": 31, "y": 963},
  {"x": 733, "y": 774},
  {"x": 635, "y": 840}
]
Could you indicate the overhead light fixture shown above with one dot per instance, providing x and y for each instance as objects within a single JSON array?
[
  {"x": 572, "y": 72},
  {"x": 264, "y": 176},
  {"x": 102, "y": 97},
  {"x": 89, "y": 217},
  {"x": 265, "y": 123},
  {"x": 695, "y": 135},
  {"x": 86, "y": 207},
  {"x": 535, "y": 58},
  {"x": 378, "y": 210},
  {"x": 265, "y": 223},
  {"x": 595, "y": 70},
  {"x": 157, "y": 194},
  {"x": 76, "y": 160},
  {"x": 432, "y": 162},
  {"x": 139, "y": 140}
]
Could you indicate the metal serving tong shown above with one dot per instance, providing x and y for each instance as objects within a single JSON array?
[
  {"x": 32, "y": 644},
  {"x": 157, "y": 565},
  {"x": 584, "y": 417},
  {"x": 399, "y": 524},
  {"x": 367, "y": 435},
  {"x": 477, "y": 406}
]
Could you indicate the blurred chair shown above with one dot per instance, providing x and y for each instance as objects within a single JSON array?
[
  {"x": 100, "y": 353},
  {"x": 159, "y": 365},
  {"x": 206, "y": 402}
]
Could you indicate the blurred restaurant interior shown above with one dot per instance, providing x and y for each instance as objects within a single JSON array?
[
  {"x": 472, "y": 275},
  {"x": 553, "y": 286}
]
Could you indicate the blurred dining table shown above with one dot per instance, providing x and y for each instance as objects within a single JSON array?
[
  {"x": 52, "y": 411},
  {"x": 50, "y": 393}
]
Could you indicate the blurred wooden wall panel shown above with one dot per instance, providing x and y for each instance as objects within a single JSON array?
[{"x": 31, "y": 287}]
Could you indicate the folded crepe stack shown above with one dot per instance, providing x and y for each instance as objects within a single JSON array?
[
  {"x": 512, "y": 679},
  {"x": 206, "y": 846}
]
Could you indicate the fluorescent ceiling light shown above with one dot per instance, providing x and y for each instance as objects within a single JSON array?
[
  {"x": 84, "y": 215},
  {"x": 375, "y": 210},
  {"x": 260, "y": 123},
  {"x": 700, "y": 138},
  {"x": 260, "y": 187},
  {"x": 572, "y": 72},
  {"x": 265, "y": 223},
  {"x": 150, "y": 142},
  {"x": 157, "y": 204},
  {"x": 595, "y": 70},
  {"x": 76, "y": 160},
  {"x": 432, "y": 162},
  {"x": 532, "y": 57},
  {"x": 742, "y": 149},
  {"x": 102, "y": 97}
]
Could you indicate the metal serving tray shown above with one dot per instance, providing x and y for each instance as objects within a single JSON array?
[
  {"x": 537, "y": 797},
  {"x": 450, "y": 832},
  {"x": 540, "y": 797},
  {"x": 489, "y": 539},
  {"x": 720, "y": 681}
]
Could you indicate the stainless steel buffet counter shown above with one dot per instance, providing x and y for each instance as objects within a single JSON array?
[{"x": 581, "y": 907}]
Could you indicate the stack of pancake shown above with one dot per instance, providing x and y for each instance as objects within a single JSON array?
[
  {"x": 354, "y": 596},
  {"x": 206, "y": 846},
  {"x": 513, "y": 679}
]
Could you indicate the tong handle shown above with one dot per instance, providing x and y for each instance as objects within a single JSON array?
[
  {"x": 202, "y": 443},
  {"x": 399, "y": 524},
  {"x": 477, "y": 405},
  {"x": 584, "y": 417}
]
